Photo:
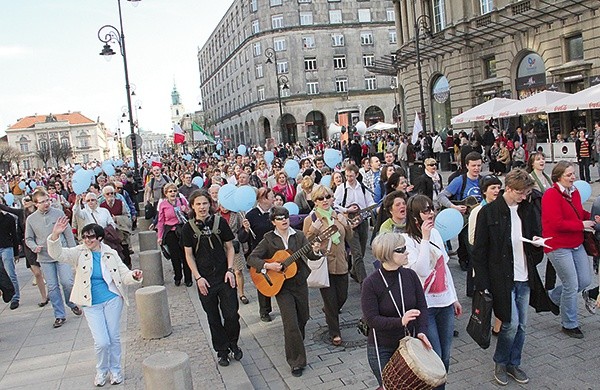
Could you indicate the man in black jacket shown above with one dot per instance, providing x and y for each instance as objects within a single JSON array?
[
  {"x": 429, "y": 183},
  {"x": 506, "y": 267},
  {"x": 9, "y": 248}
]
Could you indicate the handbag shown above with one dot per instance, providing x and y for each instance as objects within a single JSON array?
[
  {"x": 149, "y": 210},
  {"x": 590, "y": 243},
  {"x": 319, "y": 272},
  {"x": 480, "y": 322}
]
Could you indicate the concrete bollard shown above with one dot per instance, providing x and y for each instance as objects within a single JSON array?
[
  {"x": 153, "y": 311},
  {"x": 143, "y": 224},
  {"x": 168, "y": 370},
  {"x": 148, "y": 240},
  {"x": 151, "y": 265}
]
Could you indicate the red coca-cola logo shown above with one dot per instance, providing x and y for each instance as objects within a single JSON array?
[
  {"x": 594, "y": 105},
  {"x": 532, "y": 109},
  {"x": 560, "y": 108}
]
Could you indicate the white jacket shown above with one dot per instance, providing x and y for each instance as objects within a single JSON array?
[{"x": 114, "y": 272}]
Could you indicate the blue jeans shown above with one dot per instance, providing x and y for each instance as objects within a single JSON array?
[
  {"x": 8, "y": 259},
  {"x": 104, "y": 321},
  {"x": 385, "y": 354},
  {"x": 512, "y": 334},
  {"x": 573, "y": 268},
  {"x": 440, "y": 331},
  {"x": 53, "y": 272}
]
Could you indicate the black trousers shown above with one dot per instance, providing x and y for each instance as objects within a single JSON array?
[
  {"x": 177, "y": 257},
  {"x": 221, "y": 307},
  {"x": 264, "y": 304},
  {"x": 584, "y": 169},
  {"x": 334, "y": 298},
  {"x": 293, "y": 305}
]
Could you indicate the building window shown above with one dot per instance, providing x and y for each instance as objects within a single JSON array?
[
  {"x": 486, "y": 6},
  {"x": 285, "y": 90},
  {"x": 24, "y": 148},
  {"x": 304, "y": 1},
  {"x": 306, "y": 18},
  {"x": 337, "y": 39},
  {"x": 26, "y": 165},
  {"x": 279, "y": 44},
  {"x": 310, "y": 63},
  {"x": 339, "y": 62},
  {"x": 308, "y": 42},
  {"x": 390, "y": 14},
  {"x": 253, "y": 5},
  {"x": 335, "y": 16},
  {"x": 282, "y": 67},
  {"x": 368, "y": 59},
  {"x": 490, "y": 67},
  {"x": 312, "y": 87},
  {"x": 370, "y": 83},
  {"x": 261, "y": 93},
  {"x": 574, "y": 48},
  {"x": 341, "y": 84},
  {"x": 256, "y": 49},
  {"x": 439, "y": 15},
  {"x": 333, "y": 1},
  {"x": 276, "y": 21},
  {"x": 392, "y": 36},
  {"x": 259, "y": 72},
  {"x": 366, "y": 38},
  {"x": 364, "y": 15},
  {"x": 275, "y": 3},
  {"x": 255, "y": 27}
]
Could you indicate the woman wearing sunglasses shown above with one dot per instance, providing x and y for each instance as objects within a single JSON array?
[
  {"x": 100, "y": 276},
  {"x": 334, "y": 249},
  {"x": 384, "y": 294},
  {"x": 427, "y": 256}
]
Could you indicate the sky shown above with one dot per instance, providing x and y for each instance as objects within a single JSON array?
[{"x": 50, "y": 62}]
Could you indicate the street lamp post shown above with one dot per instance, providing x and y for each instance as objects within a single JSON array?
[
  {"x": 109, "y": 34},
  {"x": 421, "y": 22},
  {"x": 282, "y": 83},
  {"x": 394, "y": 88}
]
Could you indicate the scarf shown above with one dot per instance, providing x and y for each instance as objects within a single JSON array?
[
  {"x": 328, "y": 216},
  {"x": 541, "y": 185}
]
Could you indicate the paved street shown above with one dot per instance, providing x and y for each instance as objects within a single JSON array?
[{"x": 33, "y": 355}]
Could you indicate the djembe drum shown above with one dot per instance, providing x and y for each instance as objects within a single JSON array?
[{"x": 413, "y": 367}]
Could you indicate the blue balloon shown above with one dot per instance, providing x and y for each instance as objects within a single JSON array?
[
  {"x": 332, "y": 157},
  {"x": 81, "y": 181},
  {"x": 269, "y": 156},
  {"x": 187, "y": 157},
  {"x": 584, "y": 188},
  {"x": 226, "y": 197},
  {"x": 32, "y": 184},
  {"x": 245, "y": 198},
  {"x": 118, "y": 163},
  {"x": 242, "y": 149},
  {"x": 198, "y": 180},
  {"x": 76, "y": 167},
  {"x": 325, "y": 181},
  {"x": 292, "y": 168},
  {"x": 22, "y": 185},
  {"x": 108, "y": 168},
  {"x": 449, "y": 223},
  {"x": 9, "y": 199},
  {"x": 292, "y": 208},
  {"x": 131, "y": 164},
  {"x": 97, "y": 170},
  {"x": 219, "y": 146}
]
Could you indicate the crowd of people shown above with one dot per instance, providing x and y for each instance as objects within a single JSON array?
[{"x": 385, "y": 192}]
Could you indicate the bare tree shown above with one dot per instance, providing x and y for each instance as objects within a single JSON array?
[
  {"x": 55, "y": 149},
  {"x": 44, "y": 154},
  {"x": 8, "y": 156},
  {"x": 66, "y": 151}
]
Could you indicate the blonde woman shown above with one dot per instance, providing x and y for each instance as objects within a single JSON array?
[
  {"x": 303, "y": 197},
  {"x": 315, "y": 223}
]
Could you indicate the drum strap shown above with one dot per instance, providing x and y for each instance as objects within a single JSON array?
[{"x": 399, "y": 313}]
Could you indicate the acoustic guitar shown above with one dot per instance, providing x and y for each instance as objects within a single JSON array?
[
  {"x": 357, "y": 217},
  {"x": 269, "y": 282},
  {"x": 470, "y": 202}
]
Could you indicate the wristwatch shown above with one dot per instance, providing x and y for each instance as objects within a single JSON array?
[{"x": 231, "y": 270}]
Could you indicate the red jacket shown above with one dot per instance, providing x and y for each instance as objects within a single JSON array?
[{"x": 560, "y": 220}]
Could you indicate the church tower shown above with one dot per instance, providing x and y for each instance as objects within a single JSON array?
[{"x": 177, "y": 109}]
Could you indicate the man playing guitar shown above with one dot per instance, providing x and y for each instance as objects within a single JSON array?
[
  {"x": 460, "y": 188},
  {"x": 351, "y": 198}
]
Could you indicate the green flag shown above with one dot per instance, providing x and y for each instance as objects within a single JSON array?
[{"x": 197, "y": 127}]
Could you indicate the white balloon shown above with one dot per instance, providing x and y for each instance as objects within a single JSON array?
[{"x": 361, "y": 127}]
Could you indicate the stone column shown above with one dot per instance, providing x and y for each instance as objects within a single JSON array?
[
  {"x": 148, "y": 240},
  {"x": 153, "y": 311},
  {"x": 151, "y": 265},
  {"x": 168, "y": 370}
]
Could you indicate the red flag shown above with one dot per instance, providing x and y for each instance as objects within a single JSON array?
[{"x": 178, "y": 136}]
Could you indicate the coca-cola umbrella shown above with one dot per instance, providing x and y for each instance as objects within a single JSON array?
[
  {"x": 588, "y": 99},
  {"x": 483, "y": 112}
]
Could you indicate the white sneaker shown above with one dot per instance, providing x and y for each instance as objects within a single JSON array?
[
  {"x": 116, "y": 379},
  {"x": 590, "y": 304},
  {"x": 100, "y": 379}
]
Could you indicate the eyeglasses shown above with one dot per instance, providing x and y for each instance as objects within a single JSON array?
[
  {"x": 171, "y": 191},
  {"x": 427, "y": 209},
  {"x": 400, "y": 249},
  {"x": 27, "y": 199},
  {"x": 109, "y": 193},
  {"x": 321, "y": 198},
  {"x": 88, "y": 236},
  {"x": 432, "y": 165},
  {"x": 43, "y": 201},
  {"x": 91, "y": 200},
  {"x": 280, "y": 218}
]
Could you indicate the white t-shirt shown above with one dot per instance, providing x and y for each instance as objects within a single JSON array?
[{"x": 516, "y": 232}]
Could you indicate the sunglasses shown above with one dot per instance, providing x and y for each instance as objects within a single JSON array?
[
  {"x": 91, "y": 200},
  {"x": 110, "y": 193},
  {"x": 321, "y": 198},
  {"x": 281, "y": 218},
  {"x": 432, "y": 165},
  {"x": 427, "y": 209},
  {"x": 171, "y": 191},
  {"x": 400, "y": 249},
  {"x": 88, "y": 236},
  {"x": 27, "y": 199}
]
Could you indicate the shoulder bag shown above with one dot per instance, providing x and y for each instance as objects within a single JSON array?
[{"x": 319, "y": 271}]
